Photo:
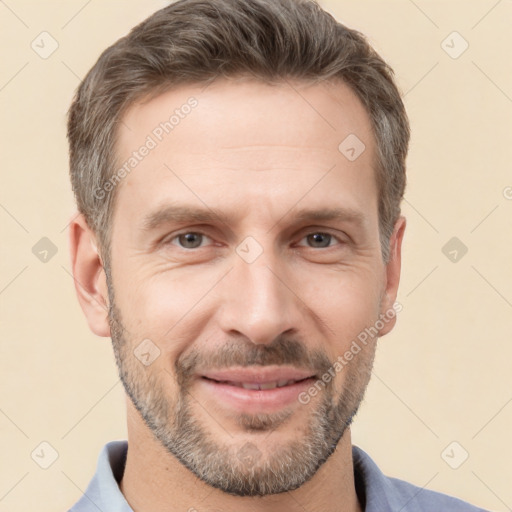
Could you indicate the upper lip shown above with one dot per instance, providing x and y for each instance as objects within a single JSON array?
[{"x": 258, "y": 374}]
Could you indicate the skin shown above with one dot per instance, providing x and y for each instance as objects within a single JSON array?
[{"x": 258, "y": 154}]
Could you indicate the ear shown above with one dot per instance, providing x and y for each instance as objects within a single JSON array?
[
  {"x": 388, "y": 307},
  {"x": 89, "y": 276}
]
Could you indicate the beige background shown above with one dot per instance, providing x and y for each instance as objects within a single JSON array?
[{"x": 443, "y": 375}]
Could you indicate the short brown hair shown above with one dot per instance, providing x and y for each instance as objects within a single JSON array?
[{"x": 197, "y": 41}]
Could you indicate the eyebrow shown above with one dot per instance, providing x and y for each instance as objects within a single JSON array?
[
  {"x": 180, "y": 214},
  {"x": 183, "y": 214}
]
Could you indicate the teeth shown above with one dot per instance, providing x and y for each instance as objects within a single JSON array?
[
  {"x": 249, "y": 385},
  {"x": 254, "y": 385},
  {"x": 265, "y": 385},
  {"x": 268, "y": 385}
]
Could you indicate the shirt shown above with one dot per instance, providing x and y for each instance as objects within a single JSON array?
[{"x": 376, "y": 492}]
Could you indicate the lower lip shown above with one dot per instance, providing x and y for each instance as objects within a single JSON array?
[{"x": 255, "y": 400}]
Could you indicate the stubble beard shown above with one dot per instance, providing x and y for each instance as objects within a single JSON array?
[{"x": 245, "y": 468}]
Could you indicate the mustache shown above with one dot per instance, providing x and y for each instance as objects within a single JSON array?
[{"x": 242, "y": 352}]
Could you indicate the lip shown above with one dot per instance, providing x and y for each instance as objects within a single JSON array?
[{"x": 221, "y": 387}]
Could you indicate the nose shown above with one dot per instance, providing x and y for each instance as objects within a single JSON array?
[{"x": 258, "y": 300}]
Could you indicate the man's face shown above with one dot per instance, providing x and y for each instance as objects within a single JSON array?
[{"x": 260, "y": 293}]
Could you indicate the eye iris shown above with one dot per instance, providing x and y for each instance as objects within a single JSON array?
[
  {"x": 190, "y": 240},
  {"x": 322, "y": 238}
]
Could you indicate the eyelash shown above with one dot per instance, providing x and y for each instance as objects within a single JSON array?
[{"x": 177, "y": 235}]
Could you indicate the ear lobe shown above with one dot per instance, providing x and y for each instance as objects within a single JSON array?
[
  {"x": 393, "y": 268},
  {"x": 89, "y": 276}
]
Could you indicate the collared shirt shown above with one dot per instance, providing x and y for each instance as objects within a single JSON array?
[{"x": 376, "y": 492}]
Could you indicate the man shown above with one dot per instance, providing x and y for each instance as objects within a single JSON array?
[{"x": 238, "y": 167}]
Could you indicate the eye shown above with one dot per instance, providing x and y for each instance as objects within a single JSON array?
[
  {"x": 321, "y": 240},
  {"x": 193, "y": 240},
  {"x": 188, "y": 240}
]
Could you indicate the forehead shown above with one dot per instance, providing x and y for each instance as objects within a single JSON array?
[
  {"x": 245, "y": 143},
  {"x": 239, "y": 108}
]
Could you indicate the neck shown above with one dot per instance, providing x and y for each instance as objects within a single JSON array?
[{"x": 155, "y": 480}]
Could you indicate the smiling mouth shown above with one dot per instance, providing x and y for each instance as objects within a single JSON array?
[{"x": 255, "y": 389}]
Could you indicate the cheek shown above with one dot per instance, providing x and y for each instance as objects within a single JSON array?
[
  {"x": 163, "y": 307},
  {"x": 348, "y": 301}
]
